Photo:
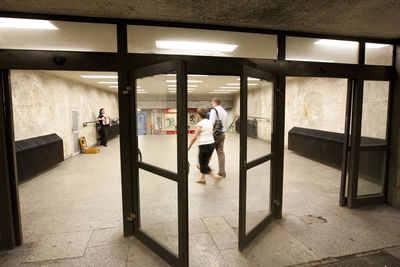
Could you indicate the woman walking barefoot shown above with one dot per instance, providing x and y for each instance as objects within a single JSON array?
[{"x": 204, "y": 131}]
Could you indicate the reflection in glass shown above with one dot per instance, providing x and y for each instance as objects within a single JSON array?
[
  {"x": 198, "y": 42},
  {"x": 57, "y": 35},
  {"x": 156, "y": 120},
  {"x": 378, "y": 54},
  {"x": 321, "y": 50},
  {"x": 374, "y": 112},
  {"x": 371, "y": 174},
  {"x": 258, "y": 195},
  {"x": 259, "y": 118},
  {"x": 159, "y": 209}
]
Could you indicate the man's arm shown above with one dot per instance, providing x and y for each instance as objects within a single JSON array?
[{"x": 213, "y": 116}]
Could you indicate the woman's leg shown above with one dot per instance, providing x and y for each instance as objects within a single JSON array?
[{"x": 203, "y": 161}]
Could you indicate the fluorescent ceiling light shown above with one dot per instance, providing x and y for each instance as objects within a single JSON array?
[
  {"x": 189, "y": 85},
  {"x": 310, "y": 59},
  {"x": 200, "y": 46},
  {"x": 113, "y": 86},
  {"x": 142, "y": 92},
  {"x": 33, "y": 24},
  {"x": 190, "y": 75},
  {"x": 239, "y": 84},
  {"x": 220, "y": 92},
  {"x": 171, "y": 85},
  {"x": 99, "y": 76},
  {"x": 229, "y": 87},
  {"x": 108, "y": 82},
  {"x": 225, "y": 90},
  {"x": 374, "y": 45},
  {"x": 250, "y": 79},
  {"x": 337, "y": 43},
  {"x": 189, "y": 81}
]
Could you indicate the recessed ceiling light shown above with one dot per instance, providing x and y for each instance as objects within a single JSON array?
[
  {"x": 229, "y": 87},
  {"x": 108, "y": 82},
  {"x": 239, "y": 84},
  {"x": 310, "y": 59},
  {"x": 374, "y": 45},
  {"x": 337, "y": 43},
  {"x": 33, "y": 24},
  {"x": 250, "y": 79},
  {"x": 189, "y": 81},
  {"x": 99, "y": 76},
  {"x": 200, "y": 46}
]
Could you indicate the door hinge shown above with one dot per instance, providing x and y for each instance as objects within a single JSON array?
[
  {"x": 131, "y": 217},
  {"x": 277, "y": 202},
  {"x": 127, "y": 90}
]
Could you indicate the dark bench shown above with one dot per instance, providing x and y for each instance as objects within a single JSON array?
[
  {"x": 35, "y": 155},
  {"x": 327, "y": 148},
  {"x": 112, "y": 131}
]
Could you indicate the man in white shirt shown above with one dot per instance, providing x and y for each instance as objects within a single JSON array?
[{"x": 219, "y": 144}]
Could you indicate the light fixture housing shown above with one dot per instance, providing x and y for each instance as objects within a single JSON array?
[
  {"x": 199, "y": 46},
  {"x": 32, "y": 24},
  {"x": 337, "y": 43}
]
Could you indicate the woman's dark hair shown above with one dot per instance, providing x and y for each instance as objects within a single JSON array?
[
  {"x": 202, "y": 112},
  {"x": 101, "y": 110}
]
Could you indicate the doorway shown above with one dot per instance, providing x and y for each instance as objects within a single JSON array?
[{"x": 75, "y": 131}]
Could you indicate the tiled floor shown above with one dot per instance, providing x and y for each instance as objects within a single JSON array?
[{"x": 71, "y": 215}]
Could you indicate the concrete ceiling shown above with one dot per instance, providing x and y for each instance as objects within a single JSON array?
[{"x": 360, "y": 18}]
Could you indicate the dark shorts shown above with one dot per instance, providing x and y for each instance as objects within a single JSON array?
[{"x": 205, "y": 152}]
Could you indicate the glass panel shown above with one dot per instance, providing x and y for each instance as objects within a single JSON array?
[
  {"x": 181, "y": 41},
  {"x": 57, "y": 35},
  {"x": 156, "y": 111},
  {"x": 258, "y": 195},
  {"x": 259, "y": 118},
  {"x": 321, "y": 50},
  {"x": 374, "y": 113},
  {"x": 159, "y": 209},
  {"x": 371, "y": 174},
  {"x": 378, "y": 54}
]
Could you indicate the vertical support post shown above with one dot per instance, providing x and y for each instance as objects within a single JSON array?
[
  {"x": 355, "y": 143},
  {"x": 125, "y": 113},
  {"x": 279, "y": 130},
  {"x": 10, "y": 217},
  {"x": 183, "y": 205},
  {"x": 243, "y": 160},
  {"x": 343, "y": 182}
]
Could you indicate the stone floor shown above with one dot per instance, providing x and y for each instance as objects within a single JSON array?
[{"x": 71, "y": 214}]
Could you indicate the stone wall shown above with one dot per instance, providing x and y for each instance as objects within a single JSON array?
[{"x": 42, "y": 105}]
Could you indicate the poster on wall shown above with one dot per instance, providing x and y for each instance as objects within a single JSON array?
[
  {"x": 170, "y": 123},
  {"x": 192, "y": 120},
  {"x": 157, "y": 119}
]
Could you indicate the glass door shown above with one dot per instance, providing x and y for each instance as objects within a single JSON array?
[
  {"x": 256, "y": 186},
  {"x": 160, "y": 168},
  {"x": 369, "y": 145}
]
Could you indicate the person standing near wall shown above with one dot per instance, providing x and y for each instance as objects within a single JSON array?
[
  {"x": 218, "y": 112},
  {"x": 103, "y": 127}
]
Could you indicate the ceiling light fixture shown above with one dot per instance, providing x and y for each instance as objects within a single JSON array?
[
  {"x": 99, "y": 76},
  {"x": 225, "y": 90},
  {"x": 374, "y": 45},
  {"x": 142, "y": 92},
  {"x": 189, "y": 81},
  {"x": 200, "y": 46},
  {"x": 32, "y": 24},
  {"x": 220, "y": 92},
  {"x": 310, "y": 60},
  {"x": 337, "y": 43},
  {"x": 238, "y": 84},
  {"x": 108, "y": 82},
  {"x": 250, "y": 79},
  {"x": 229, "y": 87},
  {"x": 113, "y": 86}
]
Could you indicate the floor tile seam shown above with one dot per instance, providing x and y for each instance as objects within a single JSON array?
[
  {"x": 87, "y": 243},
  {"x": 209, "y": 233},
  {"x": 50, "y": 261},
  {"x": 60, "y": 233},
  {"x": 312, "y": 252}
]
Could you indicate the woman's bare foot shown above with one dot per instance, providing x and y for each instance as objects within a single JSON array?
[
  {"x": 200, "y": 181},
  {"x": 216, "y": 177}
]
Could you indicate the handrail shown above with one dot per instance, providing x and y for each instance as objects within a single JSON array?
[{"x": 87, "y": 122}]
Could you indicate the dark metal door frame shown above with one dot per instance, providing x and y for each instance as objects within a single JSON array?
[
  {"x": 181, "y": 177},
  {"x": 245, "y": 239}
]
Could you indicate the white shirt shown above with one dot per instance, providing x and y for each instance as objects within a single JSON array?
[
  {"x": 222, "y": 114},
  {"x": 206, "y": 132}
]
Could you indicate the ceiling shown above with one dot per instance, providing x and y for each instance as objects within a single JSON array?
[
  {"x": 360, "y": 18},
  {"x": 158, "y": 87}
]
